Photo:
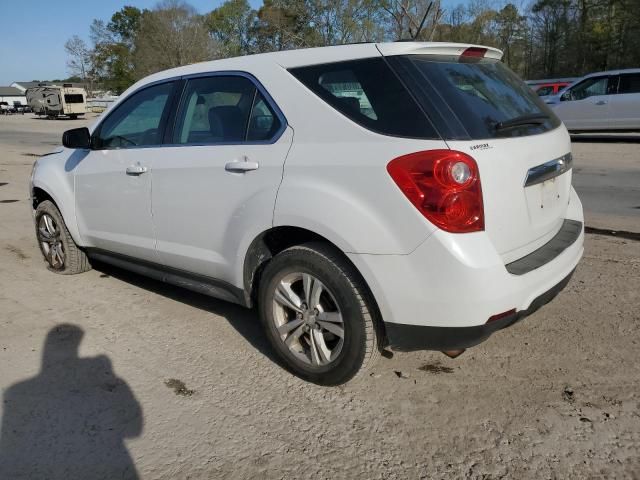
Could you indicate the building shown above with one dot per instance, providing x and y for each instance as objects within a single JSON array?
[{"x": 12, "y": 95}]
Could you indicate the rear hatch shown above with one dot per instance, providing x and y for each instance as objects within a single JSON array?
[{"x": 481, "y": 108}]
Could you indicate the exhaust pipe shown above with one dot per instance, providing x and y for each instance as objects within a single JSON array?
[{"x": 454, "y": 353}]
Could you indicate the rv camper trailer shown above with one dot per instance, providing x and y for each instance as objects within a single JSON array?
[{"x": 54, "y": 101}]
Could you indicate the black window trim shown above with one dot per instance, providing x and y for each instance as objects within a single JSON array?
[
  {"x": 164, "y": 119},
  {"x": 169, "y": 115},
  {"x": 227, "y": 73}
]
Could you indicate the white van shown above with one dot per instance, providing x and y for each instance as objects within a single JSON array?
[
  {"x": 601, "y": 101},
  {"x": 54, "y": 101}
]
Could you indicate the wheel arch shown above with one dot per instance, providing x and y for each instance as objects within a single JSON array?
[
  {"x": 41, "y": 192},
  {"x": 273, "y": 241}
]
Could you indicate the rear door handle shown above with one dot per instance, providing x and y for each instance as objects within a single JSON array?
[
  {"x": 241, "y": 166},
  {"x": 601, "y": 102},
  {"x": 136, "y": 170}
]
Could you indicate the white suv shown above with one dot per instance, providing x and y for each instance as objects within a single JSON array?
[{"x": 410, "y": 195}]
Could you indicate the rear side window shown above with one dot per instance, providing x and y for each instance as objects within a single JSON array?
[
  {"x": 369, "y": 93},
  {"x": 482, "y": 96},
  {"x": 629, "y": 83}
]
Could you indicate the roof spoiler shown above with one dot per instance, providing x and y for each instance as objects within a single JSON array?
[{"x": 438, "y": 48}]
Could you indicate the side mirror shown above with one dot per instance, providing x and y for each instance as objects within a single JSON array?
[
  {"x": 565, "y": 96},
  {"x": 77, "y": 138}
]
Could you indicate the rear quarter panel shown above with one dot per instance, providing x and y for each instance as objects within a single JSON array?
[{"x": 335, "y": 181}]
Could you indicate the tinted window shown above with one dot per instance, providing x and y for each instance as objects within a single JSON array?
[
  {"x": 263, "y": 123},
  {"x": 482, "y": 94},
  {"x": 73, "y": 98},
  {"x": 137, "y": 121},
  {"x": 215, "y": 110},
  {"x": 629, "y": 83},
  {"x": 589, "y": 88},
  {"x": 369, "y": 93}
]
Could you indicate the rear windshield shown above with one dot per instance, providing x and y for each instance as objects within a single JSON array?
[
  {"x": 369, "y": 93},
  {"x": 73, "y": 98},
  {"x": 474, "y": 98}
]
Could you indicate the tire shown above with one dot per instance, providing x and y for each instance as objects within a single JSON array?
[
  {"x": 59, "y": 250},
  {"x": 339, "y": 300}
]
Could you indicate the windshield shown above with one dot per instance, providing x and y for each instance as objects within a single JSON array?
[{"x": 474, "y": 98}]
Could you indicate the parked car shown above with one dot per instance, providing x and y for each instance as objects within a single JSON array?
[
  {"x": 355, "y": 210},
  {"x": 546, "y": 89},
  {"x": 5, "y": 109},
  {"x": 601, "y": 101}
]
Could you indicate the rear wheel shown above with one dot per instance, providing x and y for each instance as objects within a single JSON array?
[
  {"x": 56, "y": 244},
  {"x": 317, "y": 314}
]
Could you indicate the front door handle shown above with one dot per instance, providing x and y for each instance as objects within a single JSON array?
[
  {"x": 241, "y": 166},
  {"x": 601, "y": 102},
  {"x": 136, "y": 170}
]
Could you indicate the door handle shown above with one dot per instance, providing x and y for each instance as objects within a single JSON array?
[
  {"x": 241, "y": 166},
  {"x": 136, "y": 170},
  {"x": 601, "y": 102}
]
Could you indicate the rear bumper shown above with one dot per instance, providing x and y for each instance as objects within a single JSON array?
[
  {"x": 407, "y": 338},
  {"x": 451, "y": 285}
]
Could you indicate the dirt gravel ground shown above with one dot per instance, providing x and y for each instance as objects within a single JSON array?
[{"x": 169, "y": 384}]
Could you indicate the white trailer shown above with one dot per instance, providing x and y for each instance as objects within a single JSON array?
[{"x": 54, "y": 101}]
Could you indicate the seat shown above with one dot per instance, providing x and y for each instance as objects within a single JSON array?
[{"x": 232, "y": 120}]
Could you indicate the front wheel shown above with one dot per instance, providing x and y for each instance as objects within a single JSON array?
[
  {"x": 318, "y": 314},
  {"x": 56, "y": 244}
]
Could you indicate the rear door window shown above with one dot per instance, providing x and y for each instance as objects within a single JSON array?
[
  {"x": 368, "y": 92},
  {"x": 214, "y": 110},
  {"x": 471, "y": 98},
  {"x": 629, "y": 83}
]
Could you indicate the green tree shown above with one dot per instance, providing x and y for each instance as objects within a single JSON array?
[
  {"x": 231, "y": 25},
  {"x": 114, "y": 47},
  {"x": 171, "y": 35}
]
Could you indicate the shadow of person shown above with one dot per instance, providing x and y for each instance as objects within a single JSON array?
[{"x": 69, "y": 421}]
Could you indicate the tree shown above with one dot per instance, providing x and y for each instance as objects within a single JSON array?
[
  {"x": 171, "y": 35},
  {"x": 231, "y": 25},
  {"x": 79, "y": 62},
  {"x": 510, "y": 26},
  {"x": 113, "y": 48}
]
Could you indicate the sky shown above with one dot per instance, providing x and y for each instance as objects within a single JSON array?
[{"x": 33, "y": 32}]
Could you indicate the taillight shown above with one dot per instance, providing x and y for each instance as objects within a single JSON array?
[
  {"x": 444, "y": 185},
  {"x": 474, "y": 52}
]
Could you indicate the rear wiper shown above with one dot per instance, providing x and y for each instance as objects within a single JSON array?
[{"x": 532, "y": 119}]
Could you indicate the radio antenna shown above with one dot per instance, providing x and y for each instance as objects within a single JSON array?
[{"x": 424, "y": 18}]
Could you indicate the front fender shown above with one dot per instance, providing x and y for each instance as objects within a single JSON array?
[{"x": 51, "y": 175}]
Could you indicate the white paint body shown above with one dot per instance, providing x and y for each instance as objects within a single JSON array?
[
  {"x": 610, "y": 111},
  {"x": 328, "y": 175}
]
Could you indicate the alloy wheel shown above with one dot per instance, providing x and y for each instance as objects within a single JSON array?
[
  {"x": 308, "y": 319},
  {"x": 51, "y": 241}
]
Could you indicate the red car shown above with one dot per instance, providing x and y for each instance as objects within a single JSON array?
[{"x": 544, "y": 89}]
